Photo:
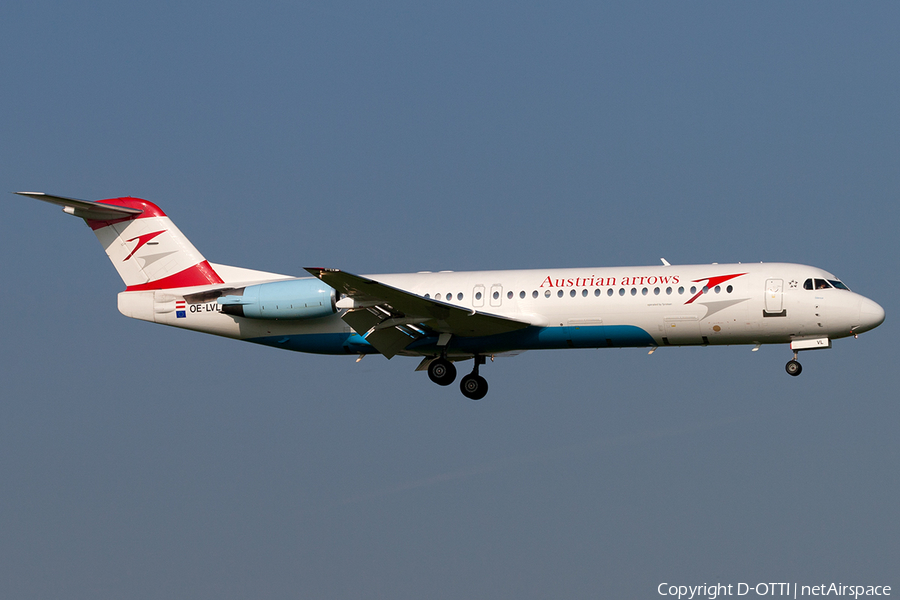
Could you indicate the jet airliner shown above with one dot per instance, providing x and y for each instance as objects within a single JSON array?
[{"x": 447, "y": 317}]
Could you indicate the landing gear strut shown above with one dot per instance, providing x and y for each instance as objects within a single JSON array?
[
  {"x": 793, "y": 368},
  {"x": 473, "y": 385}
]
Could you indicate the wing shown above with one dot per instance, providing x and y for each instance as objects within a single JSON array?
[{"x": 390, "y": 319}]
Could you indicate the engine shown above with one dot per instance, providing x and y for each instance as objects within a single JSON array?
[{"x": 291, "y": 299}]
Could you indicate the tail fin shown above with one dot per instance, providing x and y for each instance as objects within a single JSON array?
[{"x": 147, "y": 249}]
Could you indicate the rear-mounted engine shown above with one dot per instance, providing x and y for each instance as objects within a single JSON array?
[{"x": 292, "y": 299}]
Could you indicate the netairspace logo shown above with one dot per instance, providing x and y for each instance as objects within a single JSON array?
[{"x": 794, "y": 590}]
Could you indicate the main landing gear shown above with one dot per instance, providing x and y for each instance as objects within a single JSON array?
[
  {"x": 473, "y": 386},
  {"x": 793, "y": 368},
  {"x": 441, "y": 371}
]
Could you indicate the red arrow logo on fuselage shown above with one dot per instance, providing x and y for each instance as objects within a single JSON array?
[{"x": 712, "y": 282}]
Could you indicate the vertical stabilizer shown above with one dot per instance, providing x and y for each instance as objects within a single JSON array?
[{"x": 145, "y": 247}]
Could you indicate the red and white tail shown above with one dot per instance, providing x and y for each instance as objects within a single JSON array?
[{"x": 147, "y": 249}]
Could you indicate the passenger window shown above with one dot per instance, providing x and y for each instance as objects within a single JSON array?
[
  {"x": 496, "y": 295},
  {"x": 534, "y": 294},
  {"x": 609, "y": 292},
  {"x": 559, "y": 293},
  {"x": 437, "y": 296},
  {"x": 509, "y": 295},
  {"x": 644, "y": 291},
  {"x": 547, "y": 294},
  {"x": 634, "y": 291},
  {"x": 477, "y": 296},
  {"x": 656, "y": 291},
  {"x": 681, "y": 290},
  {"x": 584, "y": 293},
  {"x": 729, "y": 289},
  {"x": 459, "y": 296},
  {"x": 597, "y": 292},
  {"x": 693, "y": 289},
  {"x": 522, "y": 294},
  {"x": 621, "y": 291},
  {"x": 572, "y": 293},
  {"x": 668, "y": 291}
]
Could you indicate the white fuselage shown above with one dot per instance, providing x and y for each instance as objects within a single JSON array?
[{"x": 591, "y": 307}]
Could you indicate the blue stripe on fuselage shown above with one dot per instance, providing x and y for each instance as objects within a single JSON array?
[
  {"x": 318, "y": 343},
  {"x": 530, "y": 338}
]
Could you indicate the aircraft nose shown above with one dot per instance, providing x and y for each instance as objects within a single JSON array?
[{"x": 871, "y": 315}]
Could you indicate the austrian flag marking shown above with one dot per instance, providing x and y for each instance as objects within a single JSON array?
[{"x": 180, "y": 309}]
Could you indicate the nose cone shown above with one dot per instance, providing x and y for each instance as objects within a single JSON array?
[{"x": 871, "y": 315}]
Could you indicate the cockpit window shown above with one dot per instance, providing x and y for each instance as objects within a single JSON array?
[{"x": 824, "y": 284}]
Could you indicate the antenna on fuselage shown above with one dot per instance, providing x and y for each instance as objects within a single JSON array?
[{"x": 665, "y": 262}]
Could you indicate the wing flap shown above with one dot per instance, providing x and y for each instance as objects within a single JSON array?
[{"x": 391, "y": 341}]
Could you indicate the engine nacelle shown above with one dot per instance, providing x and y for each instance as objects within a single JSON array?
[{"x": 291, "y": 299}]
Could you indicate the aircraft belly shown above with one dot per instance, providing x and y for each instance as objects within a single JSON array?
[
  {"x": 545, "y": 338},
  {"x": 317, "y": 343}
]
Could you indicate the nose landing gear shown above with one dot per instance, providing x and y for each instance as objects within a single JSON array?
[{"x": 793, "y": 367}]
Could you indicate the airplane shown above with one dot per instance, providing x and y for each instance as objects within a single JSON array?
[{"x": 446, "y": 317}]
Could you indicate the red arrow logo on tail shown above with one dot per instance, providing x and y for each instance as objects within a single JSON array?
[{"x": 141, "y": 240}]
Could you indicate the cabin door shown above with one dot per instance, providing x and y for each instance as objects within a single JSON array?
[{"x": 775, "y": 298}]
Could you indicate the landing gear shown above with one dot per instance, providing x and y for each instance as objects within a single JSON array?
[
  {"x": 441, "y": 371},
  {"x": 793, "y": 368},
  {"x": 473, "y": 385}
]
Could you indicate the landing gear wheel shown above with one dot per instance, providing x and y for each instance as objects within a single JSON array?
[
  {"x": 473, "y": 386},
  {"x": 793, "y": 368},
  {"x": 441, "y": 371}
]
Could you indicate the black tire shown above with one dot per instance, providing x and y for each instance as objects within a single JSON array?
[
  {"x": 473, "y": 387},
  {"x": 441, "y": 371},
  {"x": 793, "y": 368}
]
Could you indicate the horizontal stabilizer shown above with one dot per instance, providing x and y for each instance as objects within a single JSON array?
[{"x": 94, "y": 211}]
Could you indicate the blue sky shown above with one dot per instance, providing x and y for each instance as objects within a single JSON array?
[{"x": 143, "y": 462}]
